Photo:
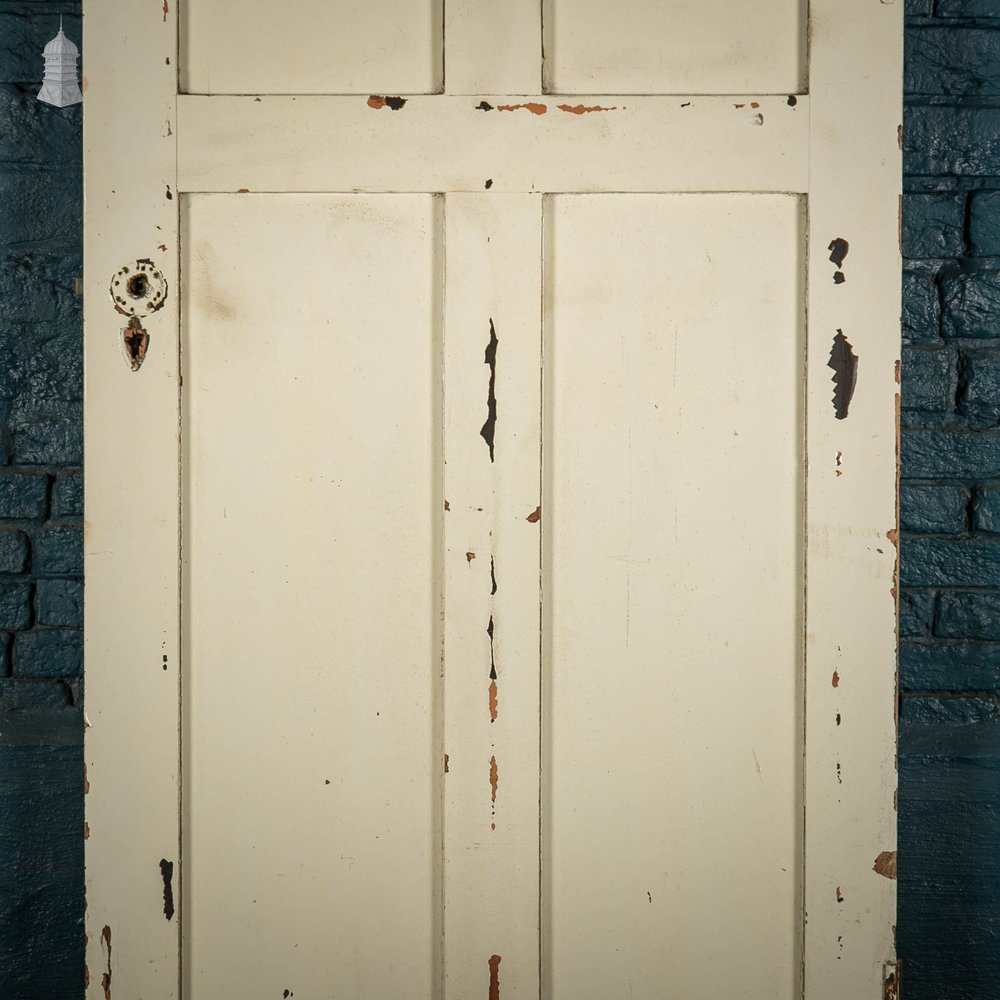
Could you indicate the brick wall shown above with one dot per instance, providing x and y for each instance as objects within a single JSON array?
[
  {"x": 41, "y": 800},
  {"x": 949, "y": 865}
]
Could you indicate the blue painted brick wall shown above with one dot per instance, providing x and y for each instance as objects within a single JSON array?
[
  {"x": 41, "y": 600},
  {"x": 949, "y": 801}
]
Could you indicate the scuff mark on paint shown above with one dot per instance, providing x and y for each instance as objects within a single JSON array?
[
  {"x": 535, "y": 516},
  {"x": 106, "y": 976},
  {"x": 489, "y": 428},
  {"x": 167, "y": 874},
  {"x": 583, "y": 109},
  {"x": 885, "y": 864},
  {"x": 377, "y": 101},
  {"x": 534, "y": 108},
  {"x": 494, "y": 977},
  {"x": 493, "y": 701},
  {"x": 836, "y": 679},
  {"x": 844, "y": 363},
  {"x": 136, "y": 343}
]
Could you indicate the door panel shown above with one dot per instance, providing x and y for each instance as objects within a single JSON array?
[
  {"x": 339, "y": 47},
  {"x": 311, "y": 538},
  {"x": 673, "y": 724},
  {"x": 675, "y": 47}
]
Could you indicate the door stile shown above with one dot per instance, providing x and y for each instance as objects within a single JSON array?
[
  {"x": 852, "y": 382},
  {"x": 491, "y": 643},
  {"x": 132, "y": 519}
]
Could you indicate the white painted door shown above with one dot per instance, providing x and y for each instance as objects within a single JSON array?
[{"x": 490, "y": 499}]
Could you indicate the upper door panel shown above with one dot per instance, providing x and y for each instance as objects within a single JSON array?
[
  {"x": 311, "y": 47},
  {"x": 675, "y": 47}
]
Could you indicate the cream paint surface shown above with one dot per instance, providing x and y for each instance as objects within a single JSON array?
[
  {"x": 311, "y": 534},
  {"x": 674, "y": 46},
  {"x": 673, "y": 596},
  {"x": 328, "y": 47}
]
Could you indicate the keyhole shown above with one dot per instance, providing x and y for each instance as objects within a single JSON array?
[{"x": 137, "y": 286}]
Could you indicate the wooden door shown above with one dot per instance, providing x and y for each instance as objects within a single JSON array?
[{"x": 491, "y": 499}]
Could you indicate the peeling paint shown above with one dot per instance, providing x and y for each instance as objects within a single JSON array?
[
  {"x": 488, "y": 430},
  {"x": 136, "y": 343},
  {"x": 167, "y": 874},
  {"x": 844, "y": 363},
  {"x": 494, "y": 964},
  {"x": 890, "y": 981},
  {"x": 534, "y": 108},
  {"x": 535, "y": 516},
  {"x": 377, "y": 101},
  {"x": 885, "y": 864},
  {"x": 583, "y": 109},
  {"x": 106, "y": 975}
]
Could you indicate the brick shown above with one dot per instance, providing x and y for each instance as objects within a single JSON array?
[
  {"x": 67, "y": 495},
  {"x": 984, "y": 223},
  {"x": 948, "y": 562},
  {"x": 58, "y": 551},
  {"x": 921, "y": 308},
  {"x": 35, "y": 133},
  {"x": 48, "y": 653},
  {"x": 36, "y": 285},
  {"x": 970, "y": 305},
  {"x": 933, "y": 454},
  {"x": 929, "y": 378},
  {"x": 968, "y": 8},
  {"x": 52, "y": 436},
  {"x": 13, "y": 551},
  {"x": 38, "y": 204},
  {"x": 939, "y": 509},
  {"x": 949, "y": 665},
  {"x": 59, "y": 602},
  {"x": 969, "y": 615},
  {"x": 933, "y": 225},
  {"x": 947, "y": 141},
  {"x": 916, "y": 612},
  {"x": 15, "y": 606},
  {"x": 959, "y": 61},
  {"x": 23, "y": 496},
  {"x": 980, "y": 395},
  {"x": 986, "y": 510}
]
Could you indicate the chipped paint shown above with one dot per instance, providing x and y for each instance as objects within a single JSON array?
[
  {"x": 166, "y": 10},
  {"x": 844, "y": 363},
  {"x": 167, "y": 874},
  {"x": 484, "y": 106},
  {"x": 840, "y": 895},
  {"x": 493, "y": 701},
  {"x": 446, "y": 759},
  {"x": 488, "y": 430},
  {"x": 377, "y": 101},
  {"x": 891, "y": 974},
  {"x": 534, "y": 108},
  {"x": 106, "y": 975},
  {"x": 469, "y": 556},
  {"x": 447, "y": 506},
  {"x": 835, "y": 681},
  {"x": 583, "y": 109},
  {"x": 535, "y": 516},
  {"x": 838, "y": 248},
  {"x": 792, "y": 100},
  {"x": 86, "y": 830},
  {"x": 758, "y": 119},
  {"x": 885, "y": 864},
  {"x": 494, "y": 964}
]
